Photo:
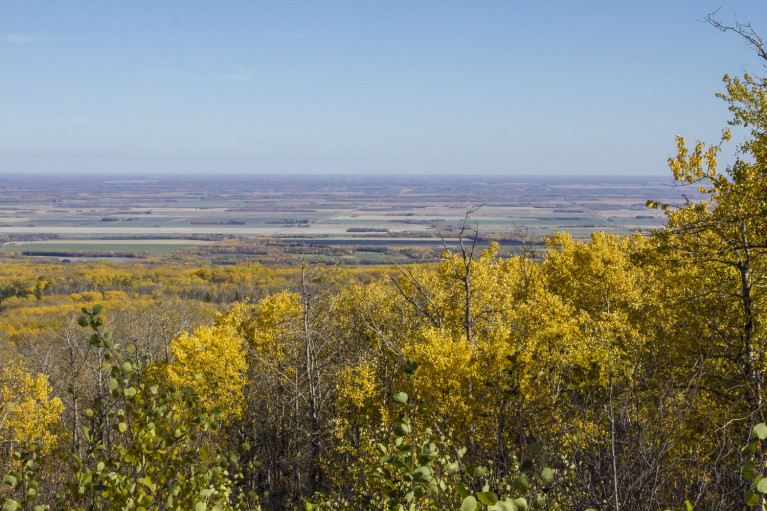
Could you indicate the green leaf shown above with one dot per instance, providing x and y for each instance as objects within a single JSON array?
[
  {"x": 12, "y": 505},
  {"x": 748, "y": 470},
  {"x": 536, "y": 449},
  {"x": 762, "y": 486},
  {"x": 520, "y": 503},
  {"x": 422, "y": 474},
  {"x": 526, "y": 467},
  {"x": 121, "y": 427},
  {"x": 10, "y": 480},
  {"x": 760, "y": 431},
  {"x": 127, "y": 367},
  {"x": 749, "y": 449},
  {"x": 488, "y": 498},
  {"x": 400, "y": 397},
  {"x": 201, "y": 506},
  {"x": 520, "y": 484},
  {"x": 547, "y": 476},
  {"x": 429, "y": 449},
  {"x": 97, "y": 309},
  {"x": 503, "y": 505},
  {"x": 751, "y": 499},
  {"x": 82, "y": 321},
  {"x": 469, "y": 504},
  {"x": 402, "y": 429}
]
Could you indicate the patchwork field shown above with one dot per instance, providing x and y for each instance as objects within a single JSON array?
[{"x": 51, "y": 214}]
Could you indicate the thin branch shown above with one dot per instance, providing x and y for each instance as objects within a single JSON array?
[{"x": 744, "y": 30}]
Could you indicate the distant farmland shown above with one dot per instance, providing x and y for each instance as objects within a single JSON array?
[
  {"x": 136, "y": 216},
  {"x": 121, "y": 247}
]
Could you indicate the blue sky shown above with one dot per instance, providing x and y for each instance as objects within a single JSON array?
[{"x": 389, "y": 86}]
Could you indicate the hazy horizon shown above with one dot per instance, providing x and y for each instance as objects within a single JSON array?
[{"x": 140, "y": 176}]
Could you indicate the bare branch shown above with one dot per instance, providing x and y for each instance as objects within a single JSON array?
[
  {"x": 744, "y": 30},
  {"x": 436, "y": 317}
]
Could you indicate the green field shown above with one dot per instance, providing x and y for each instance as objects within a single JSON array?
[{"x": 155, "y": 248}]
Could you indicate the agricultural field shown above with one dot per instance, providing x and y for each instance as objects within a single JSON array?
[
  {"x": 105, "y": 247},
  {"x": 130, "y": 217}
]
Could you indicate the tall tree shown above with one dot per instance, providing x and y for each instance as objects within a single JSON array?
[
  {"x": 722, "y": 233},
  {"x": 715, "y": 248}
]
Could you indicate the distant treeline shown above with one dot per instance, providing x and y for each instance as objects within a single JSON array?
[
  {"x": 68, "y": 253},
  {"x": 218, "y": 222}
]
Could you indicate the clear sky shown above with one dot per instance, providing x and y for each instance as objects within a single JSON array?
[{"x": 378, "y": 86}]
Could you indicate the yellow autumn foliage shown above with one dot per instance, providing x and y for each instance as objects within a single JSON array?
[
  {"x": 268, "y": 323},
  {"x": 211, "y": 361},
  {"x": 28, "y": 415}
]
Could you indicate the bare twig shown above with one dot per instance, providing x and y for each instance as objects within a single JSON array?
[{"x": 744, "y": 30}]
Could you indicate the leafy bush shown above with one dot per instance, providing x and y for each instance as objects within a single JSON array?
[{"x": 148, "y": 446}]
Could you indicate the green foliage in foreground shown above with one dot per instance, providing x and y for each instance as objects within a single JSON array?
[
  {"x": 147, "y": 447},
  {"x": 754, "y": 469},
  {"x": 418, "y": 470}
]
